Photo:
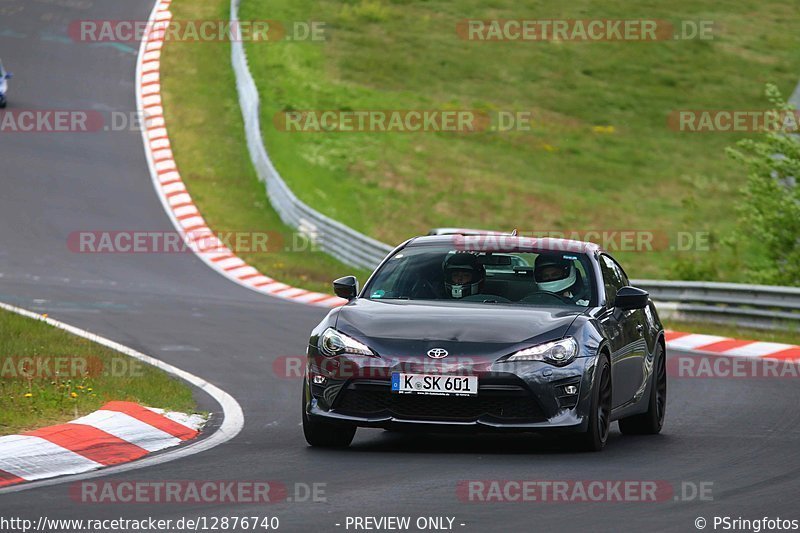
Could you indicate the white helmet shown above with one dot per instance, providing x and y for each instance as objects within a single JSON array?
[{"x": 554, "y": 274}]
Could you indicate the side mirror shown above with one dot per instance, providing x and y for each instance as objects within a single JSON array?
[
  {"x": 631, "y": 298},
  {"x": 9, "y": 75},
  {"x": 346, "y": 287}
]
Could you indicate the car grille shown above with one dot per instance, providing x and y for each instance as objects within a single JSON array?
[{"x": 506, "y": 403}]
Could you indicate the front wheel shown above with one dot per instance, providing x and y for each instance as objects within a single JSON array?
[
  {"x": 651, "y": 422},
  {"x": 596, "y": 435},
  {"x": 324, "y": 434}
]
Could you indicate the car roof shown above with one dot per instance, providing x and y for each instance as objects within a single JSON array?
[
  {"x": 465, "y": 231},
  {"x": 503, "y": 242}
]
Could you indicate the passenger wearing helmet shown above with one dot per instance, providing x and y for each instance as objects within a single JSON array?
[
  {"x": 463, "y": 275},
  {"x": 559, "y": 276}
]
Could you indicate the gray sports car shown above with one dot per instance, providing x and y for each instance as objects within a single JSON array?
[{"x": 488, "y": 333}]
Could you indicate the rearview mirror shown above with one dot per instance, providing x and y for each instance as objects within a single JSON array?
[
  {"x": 346, "y": 287},
  {"x": 631, "y": 298},
  {"x": 495, "y": 260}
]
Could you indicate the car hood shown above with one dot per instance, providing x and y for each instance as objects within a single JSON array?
[{"x": 406, "y": 327}]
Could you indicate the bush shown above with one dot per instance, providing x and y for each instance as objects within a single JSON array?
[{"x": 770, "y": 207}]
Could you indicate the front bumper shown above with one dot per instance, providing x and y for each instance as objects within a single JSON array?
[{"x": 527, "y": 397}]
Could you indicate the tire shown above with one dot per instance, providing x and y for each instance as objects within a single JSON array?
[
  {"x": 596, "y": 436},
  {"x": 3, "y": 104},
  {"x": 323, "y": 434},
  {"x": 651, "y": 422}
]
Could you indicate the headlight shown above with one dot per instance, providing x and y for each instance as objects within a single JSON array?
[
  {"x": 557, "y": 353},
  {"x": 333, "y": 342}
]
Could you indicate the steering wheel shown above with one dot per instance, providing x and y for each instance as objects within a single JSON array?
[{"x": 422, "y": 289}]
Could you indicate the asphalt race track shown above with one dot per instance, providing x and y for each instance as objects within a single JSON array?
[{"x": 739, "y": 434}]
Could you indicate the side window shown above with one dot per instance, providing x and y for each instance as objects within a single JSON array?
[
  {"x": 621, "y": 274},
  {"x": 613, "y": 278}
]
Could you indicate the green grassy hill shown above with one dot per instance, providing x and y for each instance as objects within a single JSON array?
[{"x": 600, "y": 155}]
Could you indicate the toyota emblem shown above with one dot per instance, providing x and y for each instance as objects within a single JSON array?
[{"x": 437, "y": 353}]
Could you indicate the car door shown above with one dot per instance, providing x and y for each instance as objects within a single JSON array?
[{"x": 625, "y": 334}]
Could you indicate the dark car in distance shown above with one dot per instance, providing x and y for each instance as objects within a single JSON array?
[
  {"x": 488, "y": 332},
  {"x": 4, "y": 77}
]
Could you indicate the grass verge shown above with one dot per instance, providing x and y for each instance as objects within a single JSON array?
[{"x": 48, "y": 376}]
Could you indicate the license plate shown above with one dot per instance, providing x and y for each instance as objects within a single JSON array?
[{"x": 433, "y": 384}]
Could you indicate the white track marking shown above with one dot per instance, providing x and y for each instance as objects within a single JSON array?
[
  {"x": 32, "y": 458},
  {"x": 129, "y": 429}
]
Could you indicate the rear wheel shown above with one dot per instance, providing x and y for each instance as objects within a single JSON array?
[
  {"x": 651, "y": 422},
  {"x": 596, "y": 435},
  {"x": 324, "y": 434}
]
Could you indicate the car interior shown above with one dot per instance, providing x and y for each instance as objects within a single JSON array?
[{"x": 509, "y": 279}]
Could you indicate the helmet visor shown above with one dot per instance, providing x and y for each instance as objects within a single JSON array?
[
  {"x": 461, "y": 276},
  {"x": 552, "y": 272}
]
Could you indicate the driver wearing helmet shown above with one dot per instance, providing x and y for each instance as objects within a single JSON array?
[
  {"x": 559, "y": 276},
  {"x": 463, "y": 275}
]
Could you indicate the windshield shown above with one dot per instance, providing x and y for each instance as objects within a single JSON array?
[{"x": 524, "y": 278}]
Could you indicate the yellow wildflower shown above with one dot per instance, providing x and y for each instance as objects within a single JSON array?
[{"x": 603, "y": 129}]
